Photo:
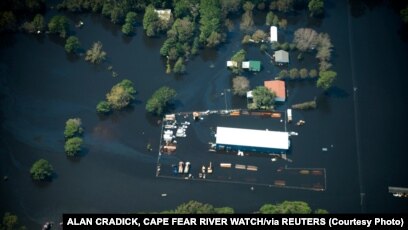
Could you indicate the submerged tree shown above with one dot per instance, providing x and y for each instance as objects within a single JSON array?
[
  {"x": 59, "y": 25},
  {"x": 103, "y": 107},
  {"x": 179, "y": 67},
  {"x": 160, "y": 100},
  {"x": 247, "y": 21},
  {"x": 240, "y": 85},
  {"x": 316, "y": 7},
  {"x": 95, "y": 54},
  {"x": 41, "y": 170},
  {"x": 282, "y": 5},
  {"x": 73, "y": 127},
  {"x": 72, "y": 44},
  {"x": 326, "y": 79},
  {"x": 73, "y": 146},
  {"x": 121, "y": 95},
  {"x": 10, "y": 222}
]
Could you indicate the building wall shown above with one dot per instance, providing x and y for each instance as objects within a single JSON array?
[{"x": 248, "y": 149}]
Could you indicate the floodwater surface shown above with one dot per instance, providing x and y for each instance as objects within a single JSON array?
[{"x": 362, "y": 117}]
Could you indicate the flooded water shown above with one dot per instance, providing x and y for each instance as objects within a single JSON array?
[{"x": 42, "y": 86}]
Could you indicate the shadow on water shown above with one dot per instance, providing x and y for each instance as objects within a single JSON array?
[
  {"x": 152, "y": 119},
  {"x": 72, "y": 57},
  {"x": 336, "y": 92},
  {"x": 323, "y": 103},
  {"x": 76, "y": 159},
  {"x": 128, "y": 38},
  {"x": 106, "y": 24}
]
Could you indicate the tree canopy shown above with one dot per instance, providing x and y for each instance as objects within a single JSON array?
[
  {"x": 160, "y": 100},
  {"x": 10, "y": 222},
  {"x": 210, "y": 23},
  {"x": 72, "y": 44},
  {"x": 73, "y": 146},
  {"x": 316, "y": 7},
  {"x": 326, "y": 79},
  {"x": 263, "y": 98},
  {"x": 195, "y": 207},
  {"x": 95, "y": 54},
  {"x": 121, "y": 95},
  {"x": 41, "y": 170},
  {"x": 73, "y": 127},
  {"x": 240, "y": 85},
  {"x": 286, "y": 207},
  {"x": 59, "y": 25}
]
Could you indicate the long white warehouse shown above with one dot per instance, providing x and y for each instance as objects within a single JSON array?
[{"x": 252, "y": 140}]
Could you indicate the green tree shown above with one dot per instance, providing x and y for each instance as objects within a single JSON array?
[
  {"x": 103, "y": 107},
  {"x": 238, "y": 57},
  {"x": 195, "y": 207},
  {"x": 210, "y": 22},
  {"x": 131, "y": 18},
  {"x": 316, "y": 7},
  {"x": 263, "y": 98},
  {"x": 73, "y": 127},
  {"x": 150, "y": 21},
  {"x": 269, "y": 18},
  {"x": 121, "y": 95},
  {"x": 214, "y": 39},
  {"x": 73, "y": 146},
  {"x": 72, "y": 44},
  {"x": 95, "y": 54},
  {"x": 36, "y": 25},
  {"x": 59, "y": 25},
  {"x": 181, "y": 8},
  {"x": 287, "y": 207},
  {"x": 41, "y": 170},
  {"x": 160, "y": 100},
  {"x": 320, "y": 211},
  {"x": 326, "y": 79},
  {"x": 10, "y": 222},
  {"x": 179, "y": 67},
  {"x": 117, "y": 14},
  {"x": 224, "y": 210},
  {"x": 240, "y": 85},
  {"x": 230, "y": 6},
  {"x": 127, "y": 28}
]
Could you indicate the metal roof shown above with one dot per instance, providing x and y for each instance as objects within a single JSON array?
[{"x": 253, "y": 138}]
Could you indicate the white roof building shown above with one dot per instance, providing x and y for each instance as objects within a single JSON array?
[
  {"x": 249, "y": 94},
  {"x": 232, "y": 64},
  {"x": 252, "y": 138},
  {"x": 274, "y": 34},
  {"x": 164, "y": 14},
  {"x": 245, "y": 64},
  {"x": 281, "y": 56}
]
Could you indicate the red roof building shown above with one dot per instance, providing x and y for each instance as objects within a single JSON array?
[{"x": 278, "y": 87}]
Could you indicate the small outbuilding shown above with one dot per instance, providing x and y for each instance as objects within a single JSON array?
[
  {"x": 164, "y": 14},
  {"x": 232, "y": 64},
  {"x": 274, "y": 34},
  {"x": 281, "y": 56},
  {"x": 252, "y": 65}
]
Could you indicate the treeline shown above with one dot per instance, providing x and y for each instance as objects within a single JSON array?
[
  {"x": 286, "y": 207},
  {"x": 295, "y": 73}
]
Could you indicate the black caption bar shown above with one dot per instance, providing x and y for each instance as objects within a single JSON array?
[{"x": 169, "y": 221}]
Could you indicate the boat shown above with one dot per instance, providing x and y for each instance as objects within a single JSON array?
[
  {"x": 164, "y": 194},
  {"x": 187, "y": 167},
  {"x": 180, "y": 167},
  {"x": 47, "y": 226},
  {"x": 209, "y": 169},
  {"x": 203, "y": 169},
  {"x": 225, "y": 165},
  {"x": 304, "y": 172}
]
